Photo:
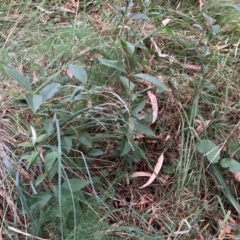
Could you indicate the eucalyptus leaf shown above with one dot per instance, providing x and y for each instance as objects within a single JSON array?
[
  {"x": 66, "y": 143},
  {"x": 34, "y": 101},
  {"x": 113, "y": 63},
  {"x": 50, "y": 160},
  {"x": 48, "y": 91},
  {"x": 19, "y": 78},
  {"x": 128, "y": 47},
  {"x": 40, "y": 178}
]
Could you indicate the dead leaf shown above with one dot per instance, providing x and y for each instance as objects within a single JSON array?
[
  {"x": 154, "y": 103},
  {"x": 237, "y": 176},
  {"x": 157, "y": 168},
  {"x": 200, "y": 126},
  {"x": 193, "y": 67},
  {"x": 141, "y": 174},
  {"x": 69, "y": 74},
  {"x": 67, "y": 10},
  {"x": 166, "y": 21}
]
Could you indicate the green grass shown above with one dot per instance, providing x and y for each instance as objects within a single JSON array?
[{"x": 69, "y": 145}]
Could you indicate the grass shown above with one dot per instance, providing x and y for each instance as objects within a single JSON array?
[{"x": 80, "y": 124}]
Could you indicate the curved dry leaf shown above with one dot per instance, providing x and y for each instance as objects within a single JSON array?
[
  {"x": 141, "y": 174},
  {"x": 154, "y": 103},
  {"x": 157, "y": 169},
  {"x": 166, "y": 21}
]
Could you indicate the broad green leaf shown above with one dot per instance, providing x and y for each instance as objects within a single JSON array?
[
  {"x": 40, "y": 138},
  {"x": 48, "y": 126},
  {"x": 119, "y": 9},
  {"x": 85, "y": 139},
  {"x": 75, "y": 184},
  {"x": 216, "y": 29},
  {"x": 38, "y": 201},
  {"x": 152, "y": 79},
  {"x": 34, "y": 101},
  {"x": 210, "y": 149},
  {"x": 230, "y": 5},
  {"x": 40, "y": 178},
  {"x": 66, "y": 143},
  {"x": 210, "y": 20},
  {"x": 95, "y": 152},
  {"x": 78, "y": 72},
  {"x": 25, "y": 144},
  {"x": 127, "y": 83},
  {"x": 125, "y": 146},
  {"x": 113, "y": 63},
  {"x": 138, "y": 106},
  {"x": 50, "y": 160},
  {"x": 139, "y": 16},
  {"x": 143, "y": 129},
  {"x": 234, "y": 148},
  {"x": 128, "y": 47},
  {"x": 19, "y": 78},
  {"x": 49, "y": 91},
  {"x": 34, "y": 135},
  {"x": 130, "y": 126},
  {"x": 230, "y": 163},
  {"x": 33, "y": 159}
]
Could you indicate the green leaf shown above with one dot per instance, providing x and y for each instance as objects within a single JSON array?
[
  {"x": 128, "y": 47},
  {"x": 119, "y": 9},
  {"x": 75, "y": 184},
  {"x": 230, "y": 163},
  {"x": 143, "y": 129},
  {"x": 139, "y": 16},
  {"x": 34, "y": 135},
  {"x": 38, "y": 201},
  {"x": 34, "y": 101},
  {"x": 40, "y": 138},
  {"x": 40, "y": 178},
  {"x": 85, "y": 139},
  {"x": 66, "y": 143},
  {"x": 78, "y": 72},
  {"x": 49, "y": 91},
  {"x": 95, "y": 152},
  {"x": 127, "y": 83},
  {"x": 113, "y": 63},
  {"x": 48, "y": 126},
  {"x": 234, "y": 148},
  {"x": 152, "y": 79},
  {"x": 50, "y": 160},
  {"x": 216, "y": 29},
  {"x": 138, "y": 106},
  {"x": 210, "y": 149},
  {"x": 230, "y": 5},
  {"x": 19, "y": 78},
  {"x": 125, "y": 146},
  {"x": 33, "y": 159},
  {"x": 25, "y": 144}
]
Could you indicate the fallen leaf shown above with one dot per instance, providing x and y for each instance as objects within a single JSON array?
[
  {"x": 166, "y": 21},
  {"x": 69, "y": 74},
  {"x": 153, "y": 100},
  {"x": 200, "y": 126},
  {"x": 141, "y": 174},
  {"x": 193, "y": 67},
  {"x": 157, "y": 168},
  {"x": 67, "y": 10},
  {"x": 237, "y": 176}
]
